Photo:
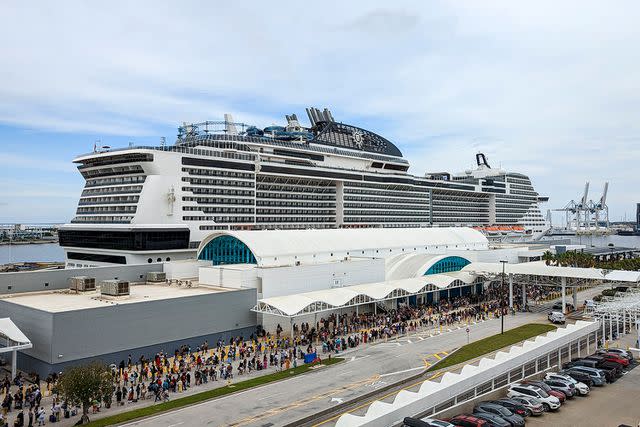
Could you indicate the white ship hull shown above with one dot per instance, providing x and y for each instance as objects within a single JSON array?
[{"x": 153, "y": 204}]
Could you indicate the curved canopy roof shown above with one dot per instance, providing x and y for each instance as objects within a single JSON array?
[
  {"x": 539, "y": 268},
  {"x": 329, "y": 299},
  {"x": 273, "y": 243}
]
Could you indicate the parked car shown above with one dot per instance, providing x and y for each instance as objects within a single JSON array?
[
  {"x": 514, "y": 420},
  {"x": 605, "y": 364},
  {"x": 425, "y": 422},
  {"x": 581, "y": 388},
  {"x": 549, "y": 402},
  {"x": 513, "y": 406},
  {"x": 532, "y": 404},
  {"x": 613, "y": 357},
  {"x": 597, "y": 376},
  {"x": 493, "y": 420},
  {"x": 540, "y": 384},
  {"x": 465, "y": 420},
  {"x": 557, "y": 317},
  {"x": 582, "y": 377},
  {"x": 610, "y": 374},
  {"x": 620, "y": 351},
  {"x": 565, "y": 387}
]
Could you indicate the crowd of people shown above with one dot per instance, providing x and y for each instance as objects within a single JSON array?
[{"x": 164, "y": 374}]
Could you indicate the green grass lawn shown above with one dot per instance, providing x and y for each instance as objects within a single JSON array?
[
  {"x": 493, "y": 343},
  {"x": 205, "y": 395}
]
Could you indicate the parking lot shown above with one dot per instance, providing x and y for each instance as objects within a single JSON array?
[{"x": 611, "y": 405}]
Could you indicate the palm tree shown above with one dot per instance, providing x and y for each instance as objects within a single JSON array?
[{"x": 547, "y": 257}]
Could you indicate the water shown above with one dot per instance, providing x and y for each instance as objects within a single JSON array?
[{"x": 19, "y": 253}]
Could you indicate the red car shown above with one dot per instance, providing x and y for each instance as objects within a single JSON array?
[
  {"x": 468, "y": 421},
  {"x": 612, "y": 357}
]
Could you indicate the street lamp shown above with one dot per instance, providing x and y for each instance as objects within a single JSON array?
[{"x": 502, "y": 300}]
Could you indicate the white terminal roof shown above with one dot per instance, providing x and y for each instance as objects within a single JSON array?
[
  {"x": 273, "y": 243},
  {"x": 328, "y": 299},
  {"x": 65, "y": 300},
  {"x": 539, "y": 268}
]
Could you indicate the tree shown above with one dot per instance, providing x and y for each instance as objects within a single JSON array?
[{"x": 81, "y": 385}]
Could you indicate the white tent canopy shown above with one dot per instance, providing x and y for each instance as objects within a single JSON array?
[
  {"x": 14, "y": 340},
  {"x": 541, "y": 269},
  {"x": 329, "y": 299},
  {"x": 11, "y": 331}
]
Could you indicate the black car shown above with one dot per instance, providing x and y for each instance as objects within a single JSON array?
[
  {"x": 512, "y": 405},
  {"x": 610, "y": 374},
  {"x": 500, "y": 411},
  {"x": 608, "y": 364},
  {"x": 492, "y": 419},
  {"x": 581, "y": 377}
]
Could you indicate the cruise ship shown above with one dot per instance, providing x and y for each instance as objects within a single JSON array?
[{"x": 147, "y": 204}]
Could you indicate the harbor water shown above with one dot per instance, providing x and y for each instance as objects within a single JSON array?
[{"x": 36, "y": 252}]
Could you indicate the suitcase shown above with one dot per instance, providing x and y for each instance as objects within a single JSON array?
[
  {"x": 67, "y": 414},
  {"x": 52, "y": 418}
]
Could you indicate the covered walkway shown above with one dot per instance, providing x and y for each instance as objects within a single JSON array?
[
  {"x": 538, "y": 273},
  {"x": 12, "y": 340},
  {"x": 292, "y": 306}
]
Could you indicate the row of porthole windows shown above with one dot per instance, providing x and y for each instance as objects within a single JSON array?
[{"x": 150, "y": 260}]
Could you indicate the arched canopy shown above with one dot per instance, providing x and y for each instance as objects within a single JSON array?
[
  {"x": 280, "y": 247},
  {"x": 349, "y": 296},
  {"x": 448, "y": 264}
]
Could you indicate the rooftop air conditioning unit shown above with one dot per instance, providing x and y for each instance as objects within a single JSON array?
[
  {"x": 156, "y": 276},
  {"x": 114, "y": 288},
  {"x": 82, "y": 283}
]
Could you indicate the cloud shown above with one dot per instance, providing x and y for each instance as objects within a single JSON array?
[{"x": 543, "y": 89}]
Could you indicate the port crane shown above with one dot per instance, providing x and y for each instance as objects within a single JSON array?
[{"x": 586, "y": 216}]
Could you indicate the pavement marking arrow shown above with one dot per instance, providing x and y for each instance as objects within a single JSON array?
[{"x": 338, "y": 400}]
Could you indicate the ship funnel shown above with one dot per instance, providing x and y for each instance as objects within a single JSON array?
[
  {"x": 481, "y": 160},
  {"x": 311, "y": 119}
]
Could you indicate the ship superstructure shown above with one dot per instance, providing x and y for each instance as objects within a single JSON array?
[{"x": 152, "y": 204}]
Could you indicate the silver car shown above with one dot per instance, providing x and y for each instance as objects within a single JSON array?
[{"x": 533, "y": 405}]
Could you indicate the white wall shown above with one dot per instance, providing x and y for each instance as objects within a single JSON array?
[
  {"x": 230, "y": 276},
  {"x": 490, "y": 255},
  {"x": 305, "y": 278},
  {"x": 183, "y": 269}
]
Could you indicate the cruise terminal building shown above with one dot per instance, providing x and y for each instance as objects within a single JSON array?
[{"x": 240, "y": 280}]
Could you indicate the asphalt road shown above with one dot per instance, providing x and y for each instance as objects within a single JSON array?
[{"x": 366, "y": 369}]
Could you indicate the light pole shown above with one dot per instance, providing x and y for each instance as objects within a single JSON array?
[{"x": 502, "y": 300}]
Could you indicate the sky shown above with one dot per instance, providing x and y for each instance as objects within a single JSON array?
[{"x": 545, "y": 88}]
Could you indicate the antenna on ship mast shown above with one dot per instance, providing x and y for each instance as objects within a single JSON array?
[{"x": 163, "y": 141}]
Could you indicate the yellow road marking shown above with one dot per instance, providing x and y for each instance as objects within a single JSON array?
[
  {"x": 302, "y": 402},
  {"x": 436, "y": 356},
  {"x": 444, "y": 352}
]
